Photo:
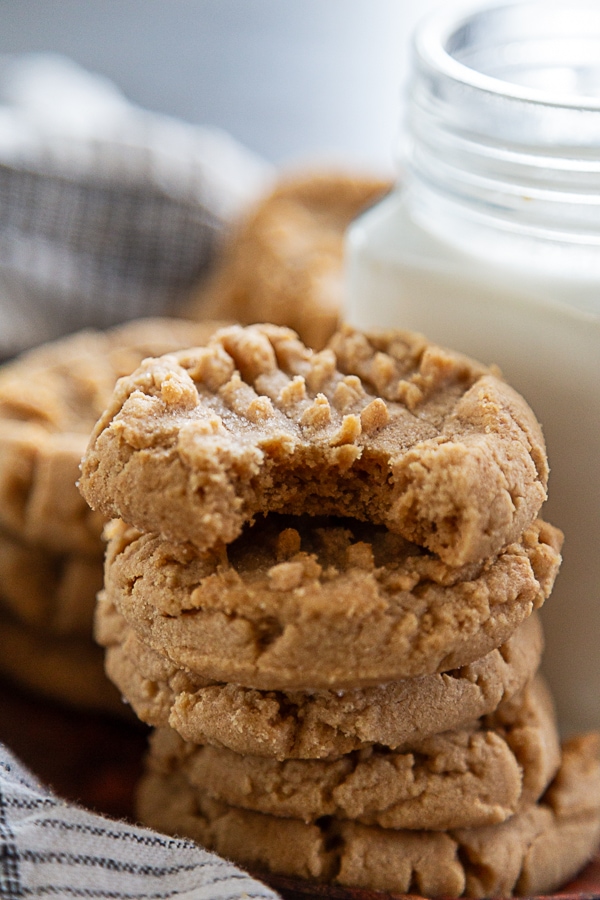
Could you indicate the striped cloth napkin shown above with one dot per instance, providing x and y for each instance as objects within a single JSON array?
[
  {"x": 107, "y": 211},
  {"x": 49, "y": 848}
]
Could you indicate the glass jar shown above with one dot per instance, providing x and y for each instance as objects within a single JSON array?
[{"x": 491, "y": 245}]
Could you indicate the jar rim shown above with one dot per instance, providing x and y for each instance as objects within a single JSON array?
[{"x": 436, "y": 31}]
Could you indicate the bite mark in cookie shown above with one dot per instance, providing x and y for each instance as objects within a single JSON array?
[
  {"x": 385, "y": 428},
  {"x": 307, "y": 603}
]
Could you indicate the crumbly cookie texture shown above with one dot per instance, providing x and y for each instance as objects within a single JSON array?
[
  {"x": 304, "y": 603},
  {"x": 39, "y": 500},
  {"x": 535, "y": 851},
  {"x": 50, "y": 399},
  {"x": 319, "y": 724},
  {"x": 47, "y": 590},
  {"x": 283, "y": 262},
  {"x": 65, "y": 668},
  {"x": 475, "y": 776},
  {"x": 385, "y": 428}
]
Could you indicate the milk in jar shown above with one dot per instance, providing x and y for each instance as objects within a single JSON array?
[{"x": 490, "y": 245}]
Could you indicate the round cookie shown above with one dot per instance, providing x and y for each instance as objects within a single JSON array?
[
  {"x": 283, "y": 262},
  {"x": 50, "y": 398},
  {"x": 39, "y": 500},
  {"x": 385, "y": 428},
  {"x": 68, "y": 669},
  {"x": 320, "y": 724},
  {"x": 308, "y": 603},
  {"x": 479, "y": 775},
  {"x": 46, "y": 590},
  {"x": 534, "y": 852}
]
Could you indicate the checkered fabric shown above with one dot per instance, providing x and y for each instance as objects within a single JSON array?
[
  {"x": 52, "y": 849},
  {"x": 107, "y": 211}
]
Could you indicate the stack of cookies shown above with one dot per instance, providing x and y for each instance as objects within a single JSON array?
[
  {"x": 321, "y": 583},
  {"x": 51, "y": 547}
]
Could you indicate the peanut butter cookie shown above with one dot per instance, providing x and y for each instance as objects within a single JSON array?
[
  {"x": 385, "y": 428},
  {"x": 48, "y": 590},
  {"x": 475, "y": 776},
  {"x": 283, "y": 262},
  {"x": 534, "y": 852},
  {"x": 65, "y": 668},
  {"x": 319, "y": 724},
  {"x": 307, "y": 603},
  {"x": 50, "y": 398}
]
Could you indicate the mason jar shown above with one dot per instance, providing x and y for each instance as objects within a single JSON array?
[{"x": 490, "y": 244}]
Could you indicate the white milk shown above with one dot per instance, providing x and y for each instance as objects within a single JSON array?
[{"x": 501, "y": 259}]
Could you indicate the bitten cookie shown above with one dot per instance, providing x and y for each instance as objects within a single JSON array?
[
  {"x": 535, "y": 851},
  {"x": 50, "y": 398},
  {"x": 319, "y": 724},
  {"x": 307, "y": 603},
  {"x": 385, "y": 428},
  {"x": 479, "y": 775}
]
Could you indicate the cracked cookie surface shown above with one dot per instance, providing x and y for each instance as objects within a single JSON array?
[
  {"x": 534, "y": 852},
  {"x": 475, "y": 776},
  {"x": 386, "y": 428},
  {"x": 318, "y": 724},
  {"x": 49, "y": 590},
  {"x": 303, "y": 602},
  {"x": 50, "y": 399}
]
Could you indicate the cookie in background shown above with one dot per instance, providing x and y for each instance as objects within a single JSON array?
[
  {"x": 51, "y": 548},
  {"x": 282, "y": 262}
]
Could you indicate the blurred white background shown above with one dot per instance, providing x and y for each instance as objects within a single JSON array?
[{"x": 294, "y": 80}]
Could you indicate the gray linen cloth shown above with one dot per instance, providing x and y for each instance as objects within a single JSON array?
[
  {"x": 49, "y": 848},
  {"x": 107, "y": 211}
]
